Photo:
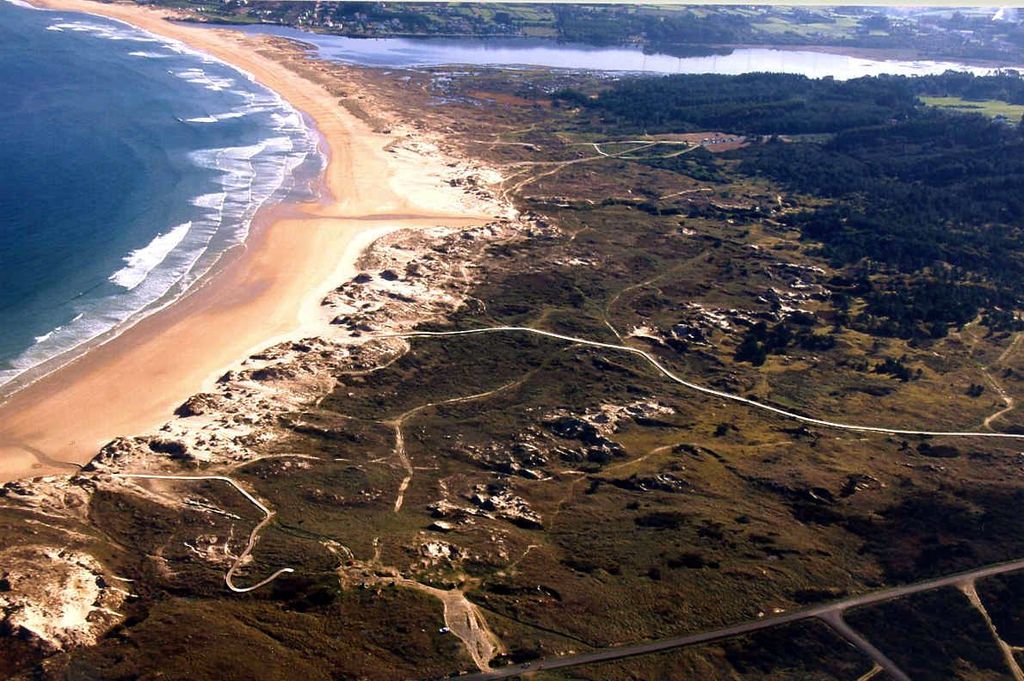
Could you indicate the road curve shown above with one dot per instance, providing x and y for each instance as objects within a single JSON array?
[
  {"x": 699, "y": 388},
  {"x": 827, "y": 612},
  {"x": 253, "y": 536}
]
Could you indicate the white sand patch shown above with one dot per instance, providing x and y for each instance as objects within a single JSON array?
[{"x": 57, "y": 596}]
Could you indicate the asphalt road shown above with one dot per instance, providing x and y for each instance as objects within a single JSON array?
[{"x": 831, "y": 613}]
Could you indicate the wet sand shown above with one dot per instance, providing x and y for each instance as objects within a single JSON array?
[{"x": 268, "y": 290}]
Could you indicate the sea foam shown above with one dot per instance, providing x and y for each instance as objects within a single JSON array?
[
  {"x": 150, "y": 55},
  {"x": 201, "y": 77},
  {"x": 47, "y": 336},
  {"x": 142, "y": 261},
  {"x": 215, "y": 118},
  {"x": 109, "y": 32}
]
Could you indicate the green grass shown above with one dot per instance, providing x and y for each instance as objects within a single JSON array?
[
  {"x": 779, "y": 25},
  {"x": 986, "y": 107}
]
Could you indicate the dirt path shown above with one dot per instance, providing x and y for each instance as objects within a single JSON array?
[
  {"x": 403, "y": 458},
  {"x": 1011, "y": 348},
  {"x": 835, "y": 620},
  {"x": 556, "y": 166},
  {"x": 870, "y": 674},
  {"x": 399, "y": 423},
  {"x": 969, "y": 589},
  {"x": 702, "y": 389},
  {"x": 613, "y": 301},
  {"x": 462, "y": 617},
  {"x": 997, "y": 386},
  {"x": 1007, "y": 400},
  {"x": 466, "y": 622},
  {"x": 685, "y": 192},
  {"x": 253, "y": 536}
]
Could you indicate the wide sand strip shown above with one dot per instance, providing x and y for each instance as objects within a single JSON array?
[{"x": 267, "y": 290}]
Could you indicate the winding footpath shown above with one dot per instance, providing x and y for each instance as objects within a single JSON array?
[
  {"x": 253, "y": 536},
  {"x": 699, "y": 388},
  {"x": 398, "y": 423}
]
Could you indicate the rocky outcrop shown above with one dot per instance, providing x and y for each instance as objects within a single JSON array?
[
  {"x": 662, "y": 482},
  {"x": 499, "y": 499}
]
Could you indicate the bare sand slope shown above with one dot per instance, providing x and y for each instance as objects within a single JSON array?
[{"x": 268, "y": 290}]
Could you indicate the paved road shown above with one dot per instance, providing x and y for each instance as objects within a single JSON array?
[
  {"x": 699, "y": 388},
  {"x": 831, "y": 613}
]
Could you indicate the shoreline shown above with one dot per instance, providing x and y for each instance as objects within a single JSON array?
[
  {"x": 312, "y": 186},
  {"x": 266, "y": 290},
  {"x": 293, "y": 185},
  {"x": 40, "y": 371}
]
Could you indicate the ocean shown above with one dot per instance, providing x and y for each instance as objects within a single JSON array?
[{"x": 128, "y": 165}]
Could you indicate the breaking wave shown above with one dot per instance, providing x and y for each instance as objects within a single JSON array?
[
  {"x": 234, "y": 181},
  {"x": 142, "y": 261},
  {"x": 214, "y": 118}
]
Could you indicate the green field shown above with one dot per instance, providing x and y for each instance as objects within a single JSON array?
[
  {"x": 779, "y": 25},
  {"x": 987, "y": 107}
]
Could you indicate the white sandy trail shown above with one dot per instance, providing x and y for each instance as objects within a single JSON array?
[
  {"x": 699, "y": 388},
  {"x": 253, "y": 536}
]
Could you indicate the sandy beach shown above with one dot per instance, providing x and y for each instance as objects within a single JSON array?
[{"x": 268, "y": 290}]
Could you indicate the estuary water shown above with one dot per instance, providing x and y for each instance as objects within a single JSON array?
[
  {"x": 128, "y": 165},
  {"x": 408, "y": 52}
]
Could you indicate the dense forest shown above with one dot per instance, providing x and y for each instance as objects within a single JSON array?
[
  {"x": 939, "y": 194},
  {"x": 754, "y": 103},
  {"x": 764, "y": 103},
  {"x": 611, "y": 25},
  {"x": 923, "y": 210}
]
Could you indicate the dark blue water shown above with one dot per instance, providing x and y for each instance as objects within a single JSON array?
[{"x": 127, "y": 166}]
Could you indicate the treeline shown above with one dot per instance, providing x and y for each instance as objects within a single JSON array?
[
  {"x": 756, "y": 103},
  {"x": 938, "y": 188},
  {"x": 1007, "y": 86},
  {"x": 926, "y": 305},
  {"x": 935, "y": 204},
  {"x": 615, "y": 25},
  {"x": 938, "y": 200},
  {"x": 774, "y": 103}
]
